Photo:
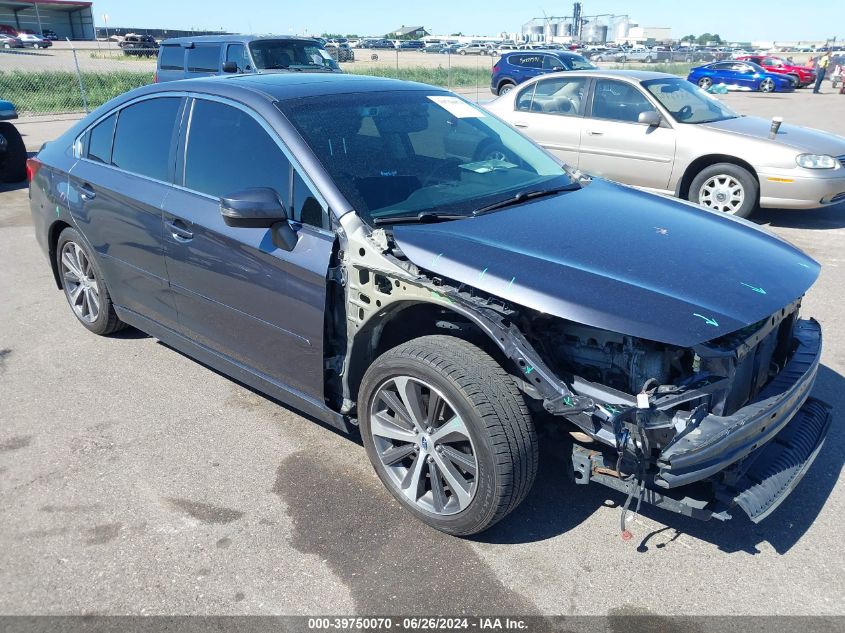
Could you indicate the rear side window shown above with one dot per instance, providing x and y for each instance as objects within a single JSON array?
[
  {"x": 204, "y": 59},
  {"x": 100, "y": 139},
  {"x": 172, "y": 57},
  {"x": 528, "y": 61},
  {"x": 252, "y": 158},
  {"x": 237, "y": 53},
  {"x": 144, "y": 135}
]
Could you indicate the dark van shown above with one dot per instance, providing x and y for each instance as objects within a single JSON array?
[{"x": 203, "y": 56}]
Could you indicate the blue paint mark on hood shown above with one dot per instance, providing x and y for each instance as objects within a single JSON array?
[{"x": 593, "y": 256}]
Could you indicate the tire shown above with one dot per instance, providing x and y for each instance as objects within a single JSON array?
[
  {"x": 106, "y": 320},
  {"x": 13, "y": 164},
  {"x": 704, "y": 83},
  {"x": 722, "y": 179},
  {"x": 505, "y": 87},
  {"x": 648, "y": 60},
  {"x": 477, "y": 396},
  {"x": 767, "y": 85}
]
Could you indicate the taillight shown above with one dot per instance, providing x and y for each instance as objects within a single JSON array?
[{"x": 32, "y": 167}]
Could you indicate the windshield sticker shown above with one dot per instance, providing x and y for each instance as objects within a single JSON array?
[
  {"x": 457, "y": 107},
  {"x": 486, "y": 166},
  {"x": 324, "y": 54}
]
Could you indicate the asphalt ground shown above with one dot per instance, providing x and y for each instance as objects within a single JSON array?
[{"x": 134, "y": 480}]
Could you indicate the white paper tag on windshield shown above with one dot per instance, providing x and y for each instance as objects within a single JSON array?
[
  {"x": 325, "y": 54},
  {"x": 457, "y": 107}
]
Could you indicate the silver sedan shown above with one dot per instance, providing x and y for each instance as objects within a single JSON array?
[{"x": 663, "y": 134}]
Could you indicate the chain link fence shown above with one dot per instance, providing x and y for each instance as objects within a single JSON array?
[{"x": 65, "y": 79}]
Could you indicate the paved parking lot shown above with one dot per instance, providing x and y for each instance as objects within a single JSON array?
[{"x": 135, "y": 480}]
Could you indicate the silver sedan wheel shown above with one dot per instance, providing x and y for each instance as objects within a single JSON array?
[
  {"x": 722, "y": 193},
  {"x": 767, "y": 85},
  {"x": 80, "y": 282},
  {"x": 705, "y": 82},
  {"x": 423, "y": 445}
]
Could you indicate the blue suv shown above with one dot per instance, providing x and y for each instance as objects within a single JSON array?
[{"x": 518, "y": 66}]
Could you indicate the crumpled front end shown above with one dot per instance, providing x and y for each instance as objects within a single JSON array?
[{"x": 741, "y": 433}]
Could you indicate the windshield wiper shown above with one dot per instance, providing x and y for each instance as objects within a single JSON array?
[
  {"x": 524, "y": 196},
  {"x": 424, "y": 217}
]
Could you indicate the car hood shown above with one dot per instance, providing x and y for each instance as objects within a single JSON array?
[
  {"x": 619, "y": 259},
  {"x": 801, "y": 138}
]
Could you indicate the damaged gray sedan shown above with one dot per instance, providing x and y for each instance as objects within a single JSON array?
[{"x": 385, "y": 255}]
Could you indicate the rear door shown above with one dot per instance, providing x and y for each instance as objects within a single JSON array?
[
  {"x": 116, "y": 192},
  {"x": 550, "y": 112},
  {"x": 615, "y": 146},
  {"x": 527, "y": 65},
  {"x": 236, "y": 292}
]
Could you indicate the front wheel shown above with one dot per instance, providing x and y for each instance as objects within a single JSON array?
[
  {"x": 448, "y": 433},
  {"x": 725, "y": 187},
  {"x": 767, "y": 85}
]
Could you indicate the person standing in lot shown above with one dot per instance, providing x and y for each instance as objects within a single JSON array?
[{"x": 821, "y": 69}]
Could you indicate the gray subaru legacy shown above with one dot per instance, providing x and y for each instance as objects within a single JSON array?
[{"x": 395, "y": 261}]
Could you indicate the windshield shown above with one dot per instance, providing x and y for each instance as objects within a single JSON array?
[
  {"x": 401, "y": 153},
  {"x": 686, "y": 102},
  {"x": 576, "y": 62},
  {"x": 290, "y": 54}
]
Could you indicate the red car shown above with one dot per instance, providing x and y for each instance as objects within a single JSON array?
[{"x": 802, "y": 75}]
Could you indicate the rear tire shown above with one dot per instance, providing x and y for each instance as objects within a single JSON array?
[
  {"x": 705, "y": 83},
  {"x": 13, "y": 164},
  {"x": 84, "y": 286},
  {"x": 727, "y": 188},
  {"x": 479, "y": 430},
  {"x": 505, "y": 87}
]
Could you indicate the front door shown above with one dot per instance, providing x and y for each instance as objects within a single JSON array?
[
  {"x": 615, "y": 146},
  {"x": 235, "y": 291}
]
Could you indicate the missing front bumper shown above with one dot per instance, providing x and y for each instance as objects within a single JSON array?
[{"x": 757, "y": 485}]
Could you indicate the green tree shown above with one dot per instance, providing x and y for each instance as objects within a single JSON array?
[{"x": 688, "y": 38}]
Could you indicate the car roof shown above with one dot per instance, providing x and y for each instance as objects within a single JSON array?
[
  {"x": 284, "y": 86},
  {"x": 632, "y": 75},
  {"x": 552, "y": 51},
  {"x": 244, "y": 39}
]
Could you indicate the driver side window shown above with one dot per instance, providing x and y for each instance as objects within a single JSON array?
[{"x": 618, "y": 101}]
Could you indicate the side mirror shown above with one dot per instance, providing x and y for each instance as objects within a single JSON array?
[
  {"x": 650, "y": 118},
  {"x": 260, "y": 208},
  {"x": 230, "y": 67}
]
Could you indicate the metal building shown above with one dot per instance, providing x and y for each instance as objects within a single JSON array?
[{"x": 66, "y": 18}]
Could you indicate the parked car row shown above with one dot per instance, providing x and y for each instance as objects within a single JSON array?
[{"x": 297, "y": 232}]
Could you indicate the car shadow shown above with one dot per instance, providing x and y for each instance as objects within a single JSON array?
[
  {"x": 832, "y": 217},
  {"x": 556, "y": 504}
]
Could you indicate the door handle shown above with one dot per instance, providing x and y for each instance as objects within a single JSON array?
[
  {"x": 87, "y": 191},
  {"x": 594, "y": 133},
  {"x": 520, "y": 124},
  {"x": 179, "y": 231}
]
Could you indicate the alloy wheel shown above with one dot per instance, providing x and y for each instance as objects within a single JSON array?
[
  {"x": 505, "y": 89},
  {"x": 423, "y": 445},
  {"x": 705, "y": 82},
  {"x": 767, "y": 85},
  {"x": 722, "y": 193},
  {"x": 80, "y": 282}
]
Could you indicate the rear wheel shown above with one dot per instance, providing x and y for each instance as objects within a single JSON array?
[
  {"x": 704, "y": 83},
  {"x": 505, "y": 87},
  {"x": 725, "y": 187},
  {"x": 448, "y": 433},
  {"x": 13, "y": 163},
  {"x": 82, "y": 281}
]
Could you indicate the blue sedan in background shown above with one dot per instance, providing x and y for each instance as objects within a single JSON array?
[{"x": 739, "y": 75}]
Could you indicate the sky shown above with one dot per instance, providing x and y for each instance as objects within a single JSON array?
[{"x": 733, "y": 20}]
